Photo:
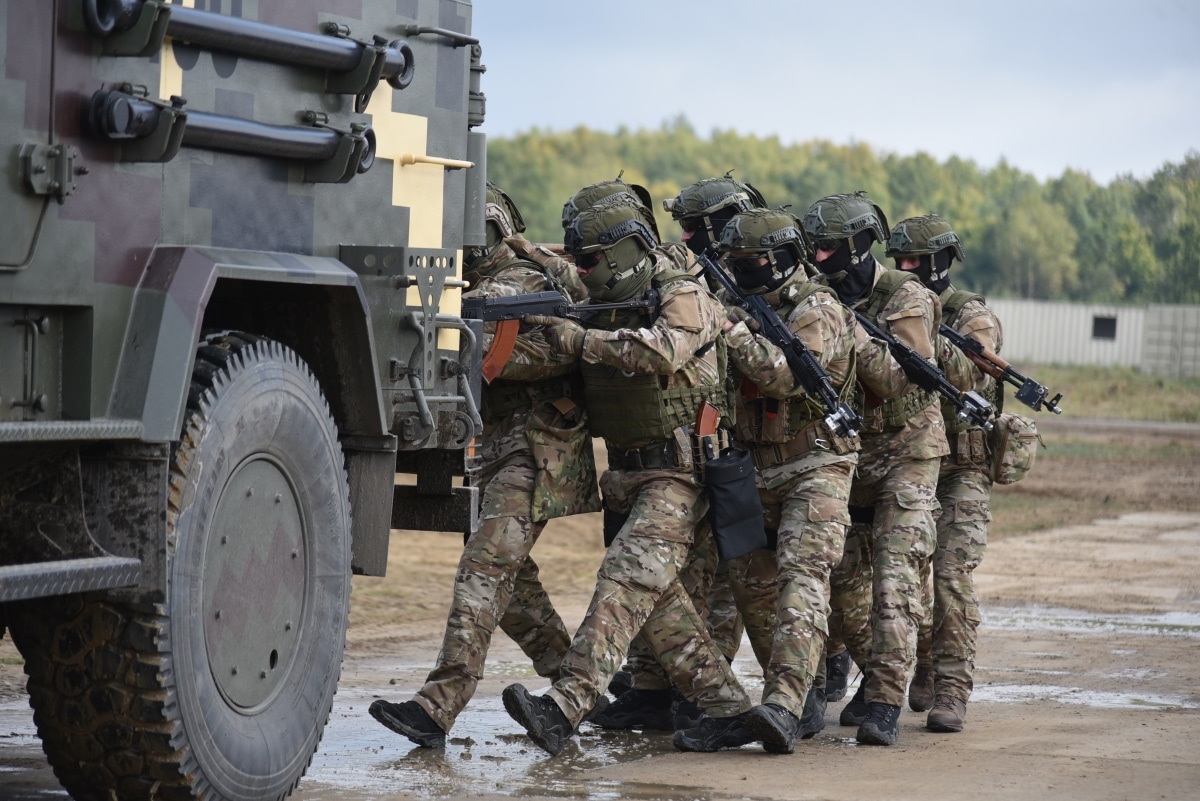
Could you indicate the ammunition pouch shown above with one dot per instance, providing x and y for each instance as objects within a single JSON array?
[
  {"x": 734, "y": 507},
  {"x": 969, "y": 448}
]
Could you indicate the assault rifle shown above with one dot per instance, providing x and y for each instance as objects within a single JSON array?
[
  {"x": 972, "y": 407},
  {"x": 1029, "y": 392},
  {"x": 507, "y": 311},
  {"x": 839, "y": 416}
]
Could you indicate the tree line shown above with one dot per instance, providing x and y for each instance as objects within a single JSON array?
[{"x": 1069, "y": 238}]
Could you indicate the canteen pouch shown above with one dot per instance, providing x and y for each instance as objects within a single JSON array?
[
  {"x": 734, "y": 508},
  {"x": 1014, "y": 440}
]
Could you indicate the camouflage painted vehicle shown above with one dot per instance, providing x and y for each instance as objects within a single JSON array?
[{"x": 230, "y": 245}]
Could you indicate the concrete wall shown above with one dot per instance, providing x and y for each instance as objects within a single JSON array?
[{"x": 1171, "y": 345}]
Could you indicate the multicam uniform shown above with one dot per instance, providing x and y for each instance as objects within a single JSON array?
[
  {"x": 536, "y": 465},
  {"x": 963, "y": 490},
  {"x": 876, "y": 590},
  {"x": 642, "y": 385},
  {"x": 804, "y": 483}
]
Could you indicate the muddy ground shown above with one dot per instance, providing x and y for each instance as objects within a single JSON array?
[{"x": 1087, "y": 677}]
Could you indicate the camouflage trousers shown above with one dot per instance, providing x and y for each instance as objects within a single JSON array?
[
  {"x": 724, "y": 621},
  {"x": 876, "y": 598},
  {"x": 638, "y": 589},
  {"x": 698, "y": 578},
  {"x": 495, "y": 575},
  {"x": 947, "y": 638},
  {"x": 809, "y": 512}
]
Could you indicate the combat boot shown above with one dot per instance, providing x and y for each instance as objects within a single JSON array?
[
  {"x": 882, "y": 725},
  {"x": 685, "y": 714},
  {"x": 622, "y": 682},
  {"x": 920, "y": 689},
  {"x": 599, "y": 708},
  {"x": 544, "y": 722},
  {"x": 837, "y": 675},
  {"x": 713, "y": 734},
  {"x": 812, "y": 719},
  {"x": 947, "y": 715},
  {"x": 638, "y": 709},
  {"x": 775, "y": 727},
  {"x": 855, "y": 712},
  {"x": 411, "y": 720}
]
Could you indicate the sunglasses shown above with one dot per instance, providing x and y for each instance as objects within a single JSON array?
[
  {"x": 587, "y": 261},
  {"x": 828, "y": 244}
]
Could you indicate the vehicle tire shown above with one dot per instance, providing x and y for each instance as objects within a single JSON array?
[{"x": 226, "y": 692}]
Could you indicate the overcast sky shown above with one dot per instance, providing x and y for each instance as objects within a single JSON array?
[{"x": 1109, "y": 87}]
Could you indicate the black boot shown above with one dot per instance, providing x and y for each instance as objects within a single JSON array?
[
  {"x": 638, "y": 709},
  {"x": 882, "y": 725},
  {"x": 855, "y": 712},
  {"x": 539, "y": 714},
  {"x": 411, "y": 720},
  {"x": 713, "y": 734},
  {"x": 685, "y": 714},
  {"x": 622, "y": 682},
  {"x": 812, "y": 719},
  {"x": 837, "y": 675},
  {"x": 775, "y": 727},
  {"x": 598, "y": 709}
]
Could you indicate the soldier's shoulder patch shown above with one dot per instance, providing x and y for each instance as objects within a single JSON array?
[{"x": 683, "y": 306}]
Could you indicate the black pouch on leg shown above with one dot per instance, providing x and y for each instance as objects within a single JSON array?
[
  {"x": 612, "y": 524},
  {"x": 734, "y": 508}
]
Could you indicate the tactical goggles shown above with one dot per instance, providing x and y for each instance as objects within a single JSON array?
[
  {"x": 828, "y": 244},
  {"x": 744, "y": 263}
]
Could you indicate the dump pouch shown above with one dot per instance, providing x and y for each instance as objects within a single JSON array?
[
  {"x": 734, "y": 508},
  {"x": 1013, "y": 439}
]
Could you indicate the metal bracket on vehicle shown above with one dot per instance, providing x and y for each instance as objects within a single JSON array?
[
  {"x": 355, "y": 154},
  {"x": 50, "y": 169},
  {"x": 362, "y": 80},
  {"x": 146, "y": 36},
  {"x": 164, "y": 140}
]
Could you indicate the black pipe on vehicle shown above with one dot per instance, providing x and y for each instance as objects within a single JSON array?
[{"x": 259, "y": 40}]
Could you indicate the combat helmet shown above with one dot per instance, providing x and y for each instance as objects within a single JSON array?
[
  {"x": 839, "y": 217},
  {"x": 595, "y": 193},
  {"x": 703, "y": 208},
  {"x": 502, "y": 219},
  {"x": 611, "y": 245},
  {"x": 932, "y": 241},
  {"x": 755, "y": 234}
]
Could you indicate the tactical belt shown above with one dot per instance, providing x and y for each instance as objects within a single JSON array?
[
  {"x": 655, "y": 456},
  {"x": 895, "y": 413},
  {"x": 807, "y": 439}
]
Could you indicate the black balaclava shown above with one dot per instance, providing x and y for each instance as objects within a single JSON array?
[
  {"x": 934, "y": 270},
  {"x": 850, "y": 275}
]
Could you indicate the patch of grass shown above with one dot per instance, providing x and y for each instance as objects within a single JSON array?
[
  {"x": 11, "y": 660},
  {"x": 1119, "y": 393}
]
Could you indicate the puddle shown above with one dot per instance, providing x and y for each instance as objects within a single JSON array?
[
  {"x": 487, "y": 753},
  {"x": 1172, "y": 624},
  {"x": 1021, "y": 693}
]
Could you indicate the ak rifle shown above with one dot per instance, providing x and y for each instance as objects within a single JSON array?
[
  {"x": 1029, "y": 392},
  {"x": 507, "y": 311},
  {"x": 839, "y": 416},
  {"x": 972, "y": 407}
]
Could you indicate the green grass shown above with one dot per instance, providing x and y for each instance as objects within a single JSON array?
[{"x": 1120, "y": 393}]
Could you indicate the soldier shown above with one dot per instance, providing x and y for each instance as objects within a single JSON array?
[
  {"x": 645, "y": 378},
  {"x": 536, "y": 465},
  {"x": 803, "y": 469},
  {"x": 702, "y": 210},
  {"x": 875, "y": 590},
  {"x": 926, "y": 246}
]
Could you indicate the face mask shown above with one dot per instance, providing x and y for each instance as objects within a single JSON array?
[
  {"x": 751, "y": 272},
  {"x": 939, "y": 274}
]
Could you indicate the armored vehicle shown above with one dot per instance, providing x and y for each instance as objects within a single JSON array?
[{"x": 231, "y": 235}]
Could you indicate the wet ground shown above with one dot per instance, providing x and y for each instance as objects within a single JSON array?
[{"x": 1090, "y": 691}]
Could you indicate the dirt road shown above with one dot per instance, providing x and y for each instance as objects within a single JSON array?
[{"x": 1087, "y": 675}]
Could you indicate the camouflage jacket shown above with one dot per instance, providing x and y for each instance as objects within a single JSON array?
[
  {"x": 826, "y": 328},
  {"x": 535, "y": 406},
  {"x": 912, "y": 315},
  {"x": 977, "y": 321}
]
